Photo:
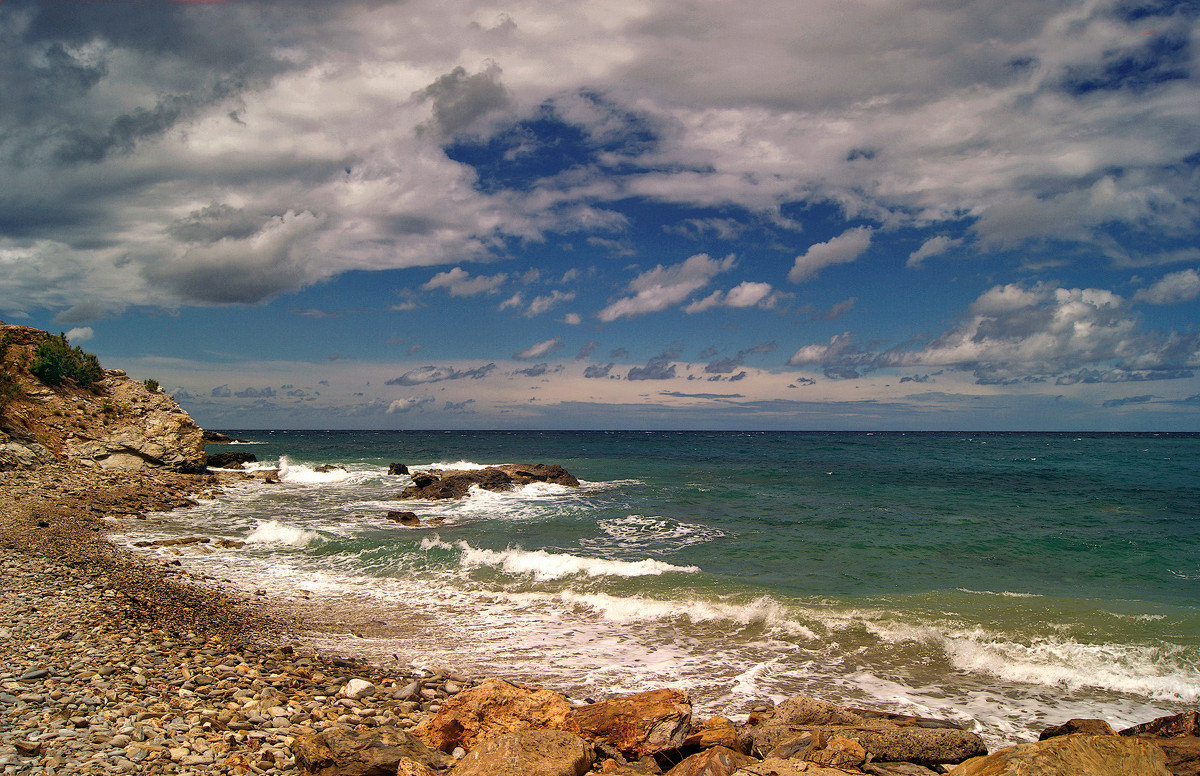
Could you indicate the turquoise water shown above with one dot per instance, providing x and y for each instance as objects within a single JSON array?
[{"x": 1010, "y": 581}]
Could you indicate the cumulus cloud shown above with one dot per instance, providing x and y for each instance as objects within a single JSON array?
[
  {"x": 80, "y": 334},
  {"x": 728, "y": 365},
  {"x": 538, "y": 370},
  {"x": 664, "y": 287},
  {"x": 539, "y": 350},
  {"x": 221, "y": 392},
  {"x": 1014, "y": 333},
  {"x": 437, "y": 374},
  {"x": 461, "y": 100},
  {"x": 400, "y": 406},
  {"x": 255, "y": 393},
  {"x": 844, "y": 248},
  {"x": 745, "y": 294},
  {"x": 1183, "y": 286},
  {"x": 460, "y": 283}
]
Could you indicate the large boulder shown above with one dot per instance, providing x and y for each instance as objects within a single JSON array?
[
  {"x": 491, "y": 709},
  {"x": 714, "y": 761},
  {"x": 1076, "y": 754},
  {"x": 886, "y": 737},
  {"x": 528, "y": 753},
  {"x": 455, "y": 484},
  {"x": 641, "y": 724},
  {"x": 1093, "y": 727},
  {"x": 717, "y": 731},
  {"x": 343, "y": 751},
  {"x": 1186, "y": 724}
]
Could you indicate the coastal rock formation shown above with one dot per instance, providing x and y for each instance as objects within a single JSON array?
[
  {"x": 1076, "y": 754},
  {"x": 1178, "y": 736},
  {"x": 454, "y": 483},
  {"x": 112, "y": 423}
]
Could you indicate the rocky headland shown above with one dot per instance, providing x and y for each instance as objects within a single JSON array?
[{"x": 112, "y": 663}]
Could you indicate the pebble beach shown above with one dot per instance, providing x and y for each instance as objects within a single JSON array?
[{"x": 114, "y": 664}]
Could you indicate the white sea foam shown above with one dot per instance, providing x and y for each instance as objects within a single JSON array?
[
  {"x": 274, "y": 532},
  {"x": 549, "y": 565},
  {"x": 763, "y": 611},
  {"x": 300, "y": 473},
  {"x": 640, "y": 531}
]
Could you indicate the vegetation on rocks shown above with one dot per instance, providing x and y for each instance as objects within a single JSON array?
[{"x": 55, "y": 361}]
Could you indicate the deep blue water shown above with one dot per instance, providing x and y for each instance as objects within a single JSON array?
[{"x": 1009, "y": 580}]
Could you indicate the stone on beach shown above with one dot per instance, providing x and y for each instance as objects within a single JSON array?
[
  {"x": 493, "y": 708},
  {"x": 716, "y": 761},
  {"x": 638, "y": 725},
  {"x": 342, "y": 751},
  {"x": 528, "y": 753}
]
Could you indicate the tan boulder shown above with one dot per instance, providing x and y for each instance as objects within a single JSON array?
[
  {"x": 838, "y": 752},
  {"x": 713, "y": 761},
  {"x": 1076, "y": 754},
  {"x": 491, "y": 709},
  {"x": 342, "y": 751},
  {"x": 717, "y": 731},
  {"x": 641, "y": 724},
  {"x": 774, "y": 766},
  {"x": 1186, "y": 724},
  {"x": 528, "y": 753}
]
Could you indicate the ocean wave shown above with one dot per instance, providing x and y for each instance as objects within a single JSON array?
[
  {"x": 640, "y": 531},
  {"x": 274, "y": 532},
  {"x": 764, "y": 611},
  {"x": 302, "y": 473},
  {"x": 545, "y": 565}
]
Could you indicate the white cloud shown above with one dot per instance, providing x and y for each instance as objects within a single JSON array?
[
  {"x": 460, "y": 283},
  {"x": 80, "y": 334},
  {"x": 541, "y": 304},
  {"x": 746, "y": 294},
  {"x": 1172, "y": 288},
  {"x": 842, "y": 249},
  {"x": 400, "y": 406},
  {"x": 663, "y": 287},
  {"x": 539, "y": 350},
  {"x": 572, "y": 319},
  {"x": 934, "y": 246}
]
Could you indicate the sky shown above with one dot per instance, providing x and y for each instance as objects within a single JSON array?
[{"x": 615, "y": 214}]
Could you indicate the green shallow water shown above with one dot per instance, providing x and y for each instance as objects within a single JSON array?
[{"x": 1013, "y": 578}]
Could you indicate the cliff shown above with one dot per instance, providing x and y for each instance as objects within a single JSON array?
[{"x": 113, "y": 423}]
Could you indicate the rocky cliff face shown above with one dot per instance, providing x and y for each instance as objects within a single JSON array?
[{"x": 117, "y": 423}]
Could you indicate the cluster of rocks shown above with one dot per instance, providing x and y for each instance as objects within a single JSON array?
[
  {"x": 502, "y": 728},
  {"x": 89, "y": 686},
  {"x": 455, "y": 483}
]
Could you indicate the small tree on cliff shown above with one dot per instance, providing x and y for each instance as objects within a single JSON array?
[{"x": 55, "y": 361}]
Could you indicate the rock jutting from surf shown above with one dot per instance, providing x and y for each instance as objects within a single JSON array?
[{"x": 455, "y": 484}]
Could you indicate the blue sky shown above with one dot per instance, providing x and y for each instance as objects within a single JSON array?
[{"x": 812, "y": 214}]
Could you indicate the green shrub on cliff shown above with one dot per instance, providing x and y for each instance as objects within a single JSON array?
[
  {"x": 9, "y": 389},
  {"x": 55, "y": 361}
]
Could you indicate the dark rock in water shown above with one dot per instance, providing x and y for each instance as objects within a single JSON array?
[
  {"x": 216, "y": 438},
  {"x": 453, "y": 484},
  {"x": 397, "y": 468},
  {"x": 325, "y": 468},
  {"x": 229, "y": 460},
  {"x": 404, "y": 518}
]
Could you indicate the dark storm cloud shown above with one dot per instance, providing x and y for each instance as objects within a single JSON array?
[
  {"x": 459, "y": 100},
  {"x": 215, "y": 222}
]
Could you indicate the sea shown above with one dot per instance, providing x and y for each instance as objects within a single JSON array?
[{"x": 1005, "y": 581}]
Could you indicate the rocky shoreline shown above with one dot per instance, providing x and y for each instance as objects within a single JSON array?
[{"x": 112, "y": 664}]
